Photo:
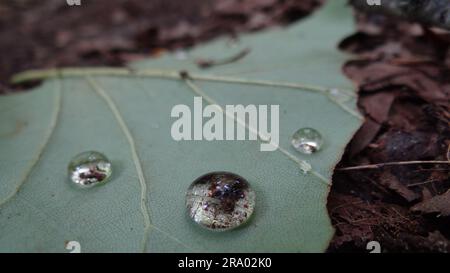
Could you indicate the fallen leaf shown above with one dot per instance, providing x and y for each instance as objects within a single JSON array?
[
  {"x": 125, "y": 113},
  {"x": 439, "y": 204},
  {"x": 388, "y": 180}
]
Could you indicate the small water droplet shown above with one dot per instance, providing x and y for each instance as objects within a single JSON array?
[
  {"x": 180, "y": 55},
  {"x": 220, "y": 201},
  {"x": 89, "y": 169},
  {"x": 232, "y": 43},
  {"x": 339, "y": 96},
  {"x": 307, "y": 141}
]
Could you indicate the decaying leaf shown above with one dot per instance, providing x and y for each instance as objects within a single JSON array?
[{"x": 439, "y": 205}]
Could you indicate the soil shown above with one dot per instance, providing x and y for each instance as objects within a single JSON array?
[{"x": 401, "y": 69}]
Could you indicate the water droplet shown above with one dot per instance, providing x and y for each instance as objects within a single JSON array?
[
  {"x": 338, "y": 95},
  {"x": 220, "y": 200},
  {"x": 180, "y": 55},
  {"x": 232, "y": 42},
  {"x": 307, "y": 141},
  {"x": 305, "y": 166},
  {"x": 89, "y": 169}
]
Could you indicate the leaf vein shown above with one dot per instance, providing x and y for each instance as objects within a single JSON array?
[
  {"x": 136, "y": 160},
  {"x": 175, "y": 75},
  {"x": 304, "y": 166},
  {"x": 51, "y": 128}
]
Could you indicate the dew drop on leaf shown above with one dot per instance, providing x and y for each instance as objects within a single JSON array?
[
  {"x": 181, "y": 55},
  {"x": 307, "y": 141},
  {"x": 220, "y": 201},
  {"x": 338, "y": 96},
  {"x": 89, "y": 168}
]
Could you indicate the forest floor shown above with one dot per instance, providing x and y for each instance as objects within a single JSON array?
[{"x": 401, "y": 69}]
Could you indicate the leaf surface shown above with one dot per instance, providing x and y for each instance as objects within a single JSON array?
[{"x": 126, "y": 115}]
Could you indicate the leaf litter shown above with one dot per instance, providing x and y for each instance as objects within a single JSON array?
[{"x": 402, "y": 73}]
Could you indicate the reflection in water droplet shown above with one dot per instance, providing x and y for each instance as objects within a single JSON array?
[
  {"x": 220, "y": 201},
  {"x": 307, "y": 141},
  {"x": 89, "y": 169}
]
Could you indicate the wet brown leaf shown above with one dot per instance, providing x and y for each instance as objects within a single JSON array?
[{"x": 439, "y": 205}]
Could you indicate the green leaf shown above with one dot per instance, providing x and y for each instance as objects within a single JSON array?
[{"x": 125, "y": 114}]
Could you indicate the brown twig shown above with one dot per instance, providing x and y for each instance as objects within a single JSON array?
[
  {"x": 380, "y": 165},
  {"x": 423, "y": 183}
]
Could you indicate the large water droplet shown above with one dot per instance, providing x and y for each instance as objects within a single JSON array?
[
  {"x": 307, "y": 140},
  {"x": 220, "y": 201},
  {"x": 89, "y": 169}
]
